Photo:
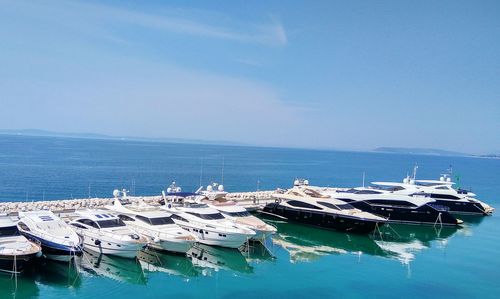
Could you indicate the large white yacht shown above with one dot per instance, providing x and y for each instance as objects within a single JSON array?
[
  {"x": 207, "y": 224},
  {"x": 305, "y": 205},
  {"x": 457, "y": 201},
  {"x": 155, "y": 224},
  {"x": 105, "y": 233},
  {"x": 241, "y": 216},
  {"x": 15, "y": 250},
  {"x": 213, "y": 191},
  {"x": 58, "y": 240}
]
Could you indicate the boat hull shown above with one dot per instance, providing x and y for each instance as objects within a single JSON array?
[
  {"x": 463, "y": 208},
  {"x": 214, "y": 238},
  {"x": 54, "y": 251},
  {"x": 425, "y": 214},
  {"x": 21, "y": 261},
  {"x": 124, "y": 251},
  {"x": 323, "y": 220},
  {"x": 180, "y": 247}
]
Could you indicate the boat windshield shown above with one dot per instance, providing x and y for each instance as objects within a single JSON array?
[
  {"x": 238, "y": 214},
  {"x": 214, "y": 216},
  {"x": 110, "y": 223},
  {"x": 161, "y": 221},
  {"x": 9, "y": 231}
]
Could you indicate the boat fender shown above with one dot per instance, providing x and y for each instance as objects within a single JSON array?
[
  {"x": 97, "y": 242},
  {"x": 156, "y": 240},
  {"x": 39, "y": 254}
]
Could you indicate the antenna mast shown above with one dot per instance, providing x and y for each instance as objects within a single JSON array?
[
  {"x": 222, "y": 173},
  {"x": 363, "y": 179},
  {"x": 201, "y": 171}
]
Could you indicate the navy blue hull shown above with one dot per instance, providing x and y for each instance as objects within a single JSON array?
[
  {"x": 425, "y": 214},
  {"x": 51, "y": 249},
  {"x": 323, "y": 220},
  {"x": 468, "y": 208}
]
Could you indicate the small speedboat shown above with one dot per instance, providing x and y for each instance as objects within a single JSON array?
[
  {"x": 58, "y": 240},
  {"x": 105, "y": 233},
  {"x": 15, "y": 250}
]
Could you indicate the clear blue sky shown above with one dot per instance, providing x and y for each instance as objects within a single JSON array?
[{"x": 321, "y": 74}]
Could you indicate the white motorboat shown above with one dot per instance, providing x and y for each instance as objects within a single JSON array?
[
  {"x": 15, "y": 250},
  {"x": 58, "y": 240},
  {"x": 238, "y": 214},
  {"x": 207, "y": 224},
  {"x": 105, "y": 233},
  {"x": 156, "y": 225}
]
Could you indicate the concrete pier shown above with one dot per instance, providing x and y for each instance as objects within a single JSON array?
[{"x": 250, "y": 200}]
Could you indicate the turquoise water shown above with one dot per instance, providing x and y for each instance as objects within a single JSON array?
[{"x": 409, "y": 261}]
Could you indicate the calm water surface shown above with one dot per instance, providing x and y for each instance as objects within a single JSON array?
[{"x": 409, "y": 261}]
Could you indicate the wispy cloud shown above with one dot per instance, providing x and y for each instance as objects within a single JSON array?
[{"x": 206, "y": 24}]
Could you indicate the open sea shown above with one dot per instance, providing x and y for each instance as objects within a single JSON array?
[{"x": 299, "y": 262}]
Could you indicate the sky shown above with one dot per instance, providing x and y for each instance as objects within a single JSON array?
[{"x": 315, "y": 74}]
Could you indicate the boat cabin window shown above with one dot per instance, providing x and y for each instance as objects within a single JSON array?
[
  {"x": 161, "y": 221},
  {"x": 78, "y": 225},
  {"x": 367, "y": 192},
  {"x": 444, "y": 196},
  {"x": 110, "y": 223},
  {"x": 9, "y": 231},
  {"x": 300, "y": 204},
  {"x": 88, "y": 222},
  {"x": 399, "y": 203},
  {"x": 214, "y": 216},
  {"x": 238, "y": 214},
  {"x": 443, "y": 188},
  {"x": 23, "y": 226},
  {"x": 126, "y": 218},
  {"x": 178, "y": 218}
]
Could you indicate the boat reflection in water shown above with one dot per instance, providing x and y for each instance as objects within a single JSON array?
[
  {"x": 306, "y": 243},
  {"x": 403, "y": 242},
  {"x": 396, "y": 241},
  {"x": 210, "y": 258},
  {"x": 155, "y": 261},
  {"x": 116, "y": 268}
]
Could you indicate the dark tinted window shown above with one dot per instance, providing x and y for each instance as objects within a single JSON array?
[
  {"x": 300, "y": 204},
  {"x": 9, "y": 231},
  {"x": 78, "y": 225},
  {"x": 88, "y": 222},
  {"x": 444, "y": 196},
  {"x": 238, "y": 214},
  {"x": 399, "y": 203},
  {"x": 126, "y": 218},
  {"x": 213, "y": 216},
  {"x": 110, "y": 223},
  {"x": 23, "y": 226},
  {"x": 177, "y": 217},
  {"x": 161, "y": 220},
  {"x": 368, "y": 192}
]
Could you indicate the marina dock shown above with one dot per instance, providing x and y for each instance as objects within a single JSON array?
[{"x": 250, "y": 200}]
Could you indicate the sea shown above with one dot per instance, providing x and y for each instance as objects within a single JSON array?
[{"x": 400, "y": 261}]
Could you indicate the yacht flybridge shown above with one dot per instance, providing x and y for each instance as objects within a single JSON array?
[
  {"x": 457, "y": 201},
  {"x": 105, "y": 233},
  {"x": 305, "y": 205},
  {"x": 58, "y": 240},
  {"x": 207, "y": 224},
  {"x": 156, "y": 225},
  {"x": 15, "y": 250}
]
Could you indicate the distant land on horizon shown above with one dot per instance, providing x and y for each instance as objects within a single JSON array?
[
  {"x": 393, "y": 150},
  {"x": 45, "y": 133}
]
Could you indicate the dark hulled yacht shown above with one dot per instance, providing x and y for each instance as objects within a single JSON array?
[
  {"x": 397, "y": 208},
  {"x": 304, "y": 205}
]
